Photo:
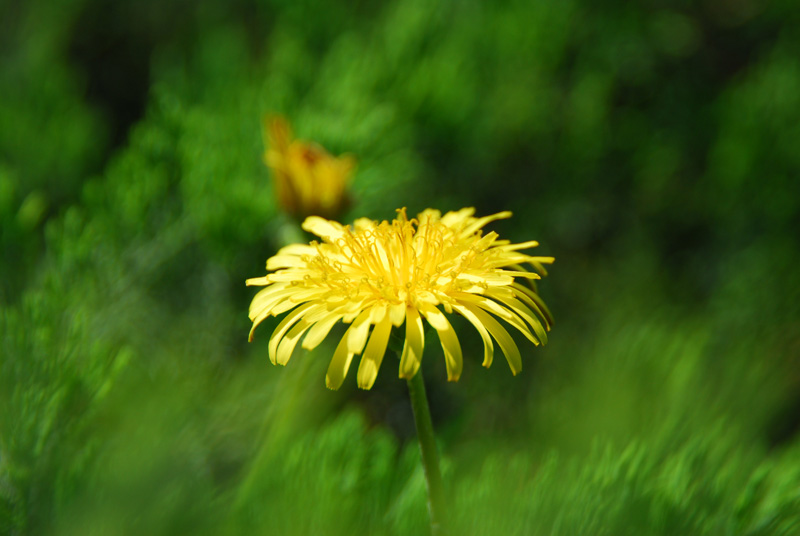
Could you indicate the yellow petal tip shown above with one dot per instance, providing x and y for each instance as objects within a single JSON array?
[{"x": 330, "y": 385}]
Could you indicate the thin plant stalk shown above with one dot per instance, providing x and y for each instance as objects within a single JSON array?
[{"x": 430, "y": 457}]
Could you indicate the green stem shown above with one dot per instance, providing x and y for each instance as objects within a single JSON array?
[{"x": 430, "y": 457}]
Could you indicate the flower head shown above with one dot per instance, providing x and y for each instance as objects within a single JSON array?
[
  {"x": 376, "y": 276},
  {"x": 308, "y": 180}
]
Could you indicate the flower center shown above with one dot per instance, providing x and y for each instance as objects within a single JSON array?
[{"x": 402, "y": 261}]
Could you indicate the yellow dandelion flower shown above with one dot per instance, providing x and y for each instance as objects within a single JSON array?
[
  {"x": 308, "y": 180},
  {"x": 378, "y": 276}
]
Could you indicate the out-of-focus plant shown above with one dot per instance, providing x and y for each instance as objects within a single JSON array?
[{"x": 308, "y": 180}]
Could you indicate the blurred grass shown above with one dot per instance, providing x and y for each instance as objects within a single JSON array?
[{"x": 650, "y": 149}]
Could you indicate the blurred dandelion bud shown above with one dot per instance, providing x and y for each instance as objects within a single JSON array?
[
  {"x": 308, "y": 180},
  {"x": 379, "y": 276}
]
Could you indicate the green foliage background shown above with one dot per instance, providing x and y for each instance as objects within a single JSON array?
[{"x": 651, "y": 147}]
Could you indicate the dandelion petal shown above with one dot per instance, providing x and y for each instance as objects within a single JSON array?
[
  {"x": 415, "y": 342},
  {"x": 507, "y": 344},
  {"x": 283, "y": 327},
  {"x": 320, "y": 330},
  {"x": 488, "y": 346},
  {"x": 289, "y": 341},
  {"x": 339, "y": 365},
  {"x": 357, "y": 334},
  {"x": 450, "y": 345},
  {"x": 373, "y": 354}
]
